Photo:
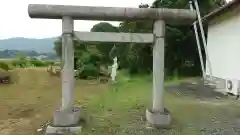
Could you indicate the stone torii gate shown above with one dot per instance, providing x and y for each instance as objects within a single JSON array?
[{"x": 67, "y": 115}]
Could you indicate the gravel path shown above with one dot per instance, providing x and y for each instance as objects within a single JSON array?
[{"x": 226, "y": 119}]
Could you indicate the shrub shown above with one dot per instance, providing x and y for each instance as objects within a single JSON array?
[
  {"x": 6, "y": 66},
  {"x": 19, "y": 63},
  {"x": 89, "y": 70},
  {"x": 38, "y": 63},
  {"x": 88, "y": 66},
  {"x": 23, "y": 63}
]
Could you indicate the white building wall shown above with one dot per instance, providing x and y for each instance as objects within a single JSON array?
[{"x": 223, "y": 44}]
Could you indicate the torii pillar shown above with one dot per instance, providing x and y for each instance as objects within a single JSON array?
[{"x": 157, "y": 115}]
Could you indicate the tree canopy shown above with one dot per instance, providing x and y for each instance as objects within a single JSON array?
[{"x": 181, "y": 56}]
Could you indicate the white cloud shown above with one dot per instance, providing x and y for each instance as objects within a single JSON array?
[{"x": 15, "y": 21}]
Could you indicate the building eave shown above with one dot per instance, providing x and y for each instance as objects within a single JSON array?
[{"x": 225, "y": 8}]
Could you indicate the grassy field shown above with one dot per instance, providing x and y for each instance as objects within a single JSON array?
[{"x": 111, "y": 109}]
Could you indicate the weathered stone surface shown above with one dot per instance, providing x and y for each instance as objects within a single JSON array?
[
  {"x": 66, "y": 118},
  {"x": 158, "y": 119}
]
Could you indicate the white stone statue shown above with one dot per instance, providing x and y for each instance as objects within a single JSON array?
[{"x": 114, "y": 69}]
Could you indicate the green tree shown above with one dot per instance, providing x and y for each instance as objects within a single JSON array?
[
  {"x": 105, "y": 48},
  {"x": 181, "y": 54},
  {"x": 180, "y": 41}
]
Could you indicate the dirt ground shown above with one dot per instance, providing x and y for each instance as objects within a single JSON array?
[{"x": 30, "y": 103}]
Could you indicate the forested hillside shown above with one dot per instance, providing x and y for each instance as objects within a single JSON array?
[{"x": 11, "y": 54}]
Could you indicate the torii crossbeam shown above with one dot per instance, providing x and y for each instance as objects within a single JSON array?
[{"x": 67, "y": 116}]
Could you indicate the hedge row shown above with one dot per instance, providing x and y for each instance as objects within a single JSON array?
[{"x": 10, "y": 64}]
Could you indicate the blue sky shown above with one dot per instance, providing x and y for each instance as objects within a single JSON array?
[{"x": 15, "y": 21}]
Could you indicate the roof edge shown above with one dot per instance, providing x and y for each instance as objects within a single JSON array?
[{"x": 230, "y": 5}]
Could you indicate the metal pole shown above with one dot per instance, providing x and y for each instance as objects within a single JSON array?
[
  {"x": 198, "y": 44},
  {"x": 68, "y": 64},
  {"x": 158, "y": 66},
  {"x": 203, "y": 38}
]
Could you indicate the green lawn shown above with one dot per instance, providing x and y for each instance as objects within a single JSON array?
[{"x": 120, "y": 111}]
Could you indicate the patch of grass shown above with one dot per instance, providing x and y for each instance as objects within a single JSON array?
[
  {"x": 120, "y": 111},
  {"x": 109, "y": 109},
  {"x": 30, "y": 102}
]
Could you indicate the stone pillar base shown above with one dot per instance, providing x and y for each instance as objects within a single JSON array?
[
  {"x": 65, "y": 122},
  {"x": 50, "y": 130},
  {"x": 157, "y": 119},
  {"x": 66, "y": 118}
]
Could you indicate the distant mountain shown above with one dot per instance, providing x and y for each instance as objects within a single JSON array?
[
  {"x": 10, "y": 54},
  {"x": 44, "y": 45}
]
